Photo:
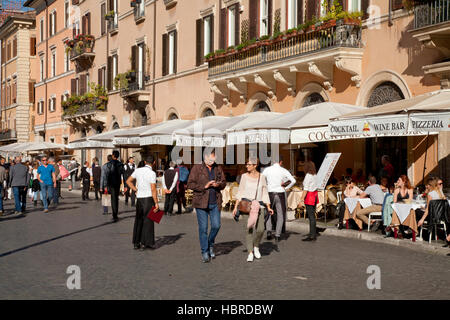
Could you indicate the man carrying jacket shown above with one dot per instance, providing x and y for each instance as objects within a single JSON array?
[{"x": 207, "y": 180}]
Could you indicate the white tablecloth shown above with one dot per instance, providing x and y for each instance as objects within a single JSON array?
[
  {"x": 402, "y": 210},
  {"x": 352, "y": 202},
  {"x": 365, "y": 202}
]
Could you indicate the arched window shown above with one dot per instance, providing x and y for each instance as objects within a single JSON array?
[
  {"x": 261, "y": 106},
  {"x": 207, "y": 113},
  {"x": 143, "y": 118},
  {"x": 115, "y": 126},
  {"x": 313, "y": 98},
  {"x": 83, "y": 133},
  {"x": 173, "y": 116},
  {"x": 385, "y": 93},
  {"x": 99, "y": 129}
]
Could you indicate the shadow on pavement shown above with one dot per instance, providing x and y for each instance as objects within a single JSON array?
[
  {"x": 266, "y": 248},
  {"x": 59, "y": 237},
  {"x": 12, "y": 217},
  {"x": 167, "y": 240},
  {"x": 226, "y": 247}
]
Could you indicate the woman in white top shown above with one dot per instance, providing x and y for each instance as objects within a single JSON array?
[
  {"x": 310, "y": 198},
  {"x": 434, "y": 194},
  {"x": 253, "y": 186},
  {"x": 35, "y": 187}
]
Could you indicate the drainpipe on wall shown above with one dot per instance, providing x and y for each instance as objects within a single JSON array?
[
  {"x": 46, "y": 68},
  {"x": 390, "y": 13},
  {"x": 154, "y": 58}
]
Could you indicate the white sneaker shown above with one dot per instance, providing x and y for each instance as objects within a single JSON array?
[
  {"x": 250, "y": 257},
  {"x": 256, "y": 253}
]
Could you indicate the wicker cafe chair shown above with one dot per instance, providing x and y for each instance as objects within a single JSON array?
[
  {"x": 189, "y": 195},
  {"x": 234, "y": 188}
]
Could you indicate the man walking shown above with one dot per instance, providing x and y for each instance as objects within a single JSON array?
[
  {"x": 128, "y": 171},
  {"x": 5, "y": 165},
  {"x": 207, "y": 180},
  {"x": 73, "y": 170},
  {"x": 106, "y": 198},
  {"x": 57, "y": 193},
  {"x": 19, "y": 178},
  {"x": 85, "y": 177},
  {"x": 112, "y": 182},
  {"x": 169, "y": 181},
  {"x": 47, "y": 180},
  {"x": 96, "y": 177},
  {"x": 277, "y": 184},
  {"x": 145, "y": 189},
  {"x": 2, "y": 181}
]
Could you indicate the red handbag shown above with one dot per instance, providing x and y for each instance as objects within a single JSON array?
[
  {"x": 311, "y": 198},
  {"x": 155, "y": 215}
]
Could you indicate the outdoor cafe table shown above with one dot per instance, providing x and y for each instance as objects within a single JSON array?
[
  {"x": 351, "y": 204},
  {"x": 405, "y": 214}
]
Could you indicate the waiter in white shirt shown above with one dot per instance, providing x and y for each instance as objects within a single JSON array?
[
  {"x": 145, "y": 188},
  {"x": 278, "y": 181},
  {"x": 169, "y": 181},
  {"x": 310, "y": 197}
]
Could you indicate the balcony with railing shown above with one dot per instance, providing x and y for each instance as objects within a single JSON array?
[
  {"x": 139, "y": 10},
  {"x": 133, "y": 88},
  {"x": 8, "y": 135},
  {"x": 81, "y": 50},
  {"x": 113, "y": 22},
  {"x": 315, "y": 50},
  {"x": 89, "y": 108},
  {"x": 431, "y": 13}
]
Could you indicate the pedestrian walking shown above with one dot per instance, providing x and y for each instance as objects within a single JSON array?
[
  {"x": 47, "y": 180},
  {"x": 35, "y": 185},
  {"x": 145, "y": 189},
  {"x": 207, "y": 180},
  {"x": 73, "y": 170},
  {"x": 2, "y": 180},
  {"x": 85, "y": 178},
  {"x": 310, "y": 198},
  {"x": 112, "y": 182},
  {"x": 128, "y": 171},
  {"x": 57, "y": 193},
  {"x": 19, "y": 178},
  {"x": 170, "y": 179},
  {"x": 278, "y": 181},
  {"x": 96, "y": 178},
  {"x": 4, "y": 164},
  {"x": 183, "y": 174},
  {"x": 106, "y": 197},
  {"x": 253, "y": 194}
]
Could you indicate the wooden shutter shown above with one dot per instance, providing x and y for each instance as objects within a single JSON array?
[
  {"x": 100, "y": 77},
  {"x": 73, "y": 87},
  {"x": 14, "y": 47},
  {"x": 134, "y": 60},
  {"x": 223, "y": 29},
  {"x": 199, "y": 41},
  {"x": 14, "y": 92},
  {"x": 55, "y": 22},
  {"x": 311, "y": 9},
  {"x": 165, "y": 54},
  {"x": 88, "y": 22},
  {"x": 269, "y": 14},
  {"x": 8, "y": 54},
  {"x": 253, "y": 17},
  {"x": 211, "y": 22},
  {"x": 396, "y": 4},
  {"x": 365, "y": 5},
  {"x": 110, "y": 72},
  {"x": 3, "y": 53},
  {"x": 175, "y": 40},
  {"x": 83, "y": 25},
  {"x": 237, "y": 24},
  {"x": 103, "y": 20},
  {"x": 50, "y": 25},
  {"x": 31, "y": 91},
  {"x": 83, "y": 84},
  {"x": 144, "y": 61},
  {"x": 33, "y": 46},
  {"x": 300, "y": 10}
]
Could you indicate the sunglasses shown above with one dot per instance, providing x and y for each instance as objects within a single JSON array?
[{"x": 250, "y": 164}]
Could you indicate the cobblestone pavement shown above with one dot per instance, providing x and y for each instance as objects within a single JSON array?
[{"x": 36, "y": 249}]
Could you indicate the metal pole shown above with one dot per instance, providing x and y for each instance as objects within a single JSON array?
[{"x": 425, "y": 161}]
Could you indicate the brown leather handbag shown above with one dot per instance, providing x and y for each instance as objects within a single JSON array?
[{"x": 245, "y": 204}]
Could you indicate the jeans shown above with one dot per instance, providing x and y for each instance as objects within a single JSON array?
[
  {"x": 57, "y": 192},
  {"x": 20, "y": 198},
  {"x": 202, "y": 218},
  {"x": 47, "y": 192}
]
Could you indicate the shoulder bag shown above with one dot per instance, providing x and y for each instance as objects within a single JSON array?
[{"x": 245, "y": 204}]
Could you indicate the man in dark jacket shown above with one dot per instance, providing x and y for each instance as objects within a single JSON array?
[
  {"x": 19, "y": 178},
  {"x": 207, "y": 180},
  {"x": 169, "y": 181},
  {"x": 85, "y": 177},
  {"x": 96, "y": 177},
  {"x": 113, "y": 180},
  {"x": 128, "y": 171}
]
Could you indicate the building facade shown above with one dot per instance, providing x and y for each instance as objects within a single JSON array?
[
  {"x": 18, "y": 37},
  {"x": 154, "y": 58}
]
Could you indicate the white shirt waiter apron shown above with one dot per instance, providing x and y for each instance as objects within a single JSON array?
[{"x": 277, "y": 176}]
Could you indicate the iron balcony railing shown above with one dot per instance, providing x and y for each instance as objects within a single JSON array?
[
  {"x": 136, "y": 82},
  {"x": 84, "y": 109},
  {"x": 8, "y": 134},
  {"x": 78, "y": 52},
  {"x": 431, "y": 13},
  {"x": 113, "y": 24},
  {"x": 139, "y": 9},
  {"x": 290, "y": 46}
]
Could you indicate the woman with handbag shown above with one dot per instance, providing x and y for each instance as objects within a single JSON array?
[
  {"x": 252, "y": 201},
  {"x": 310, "y": 197}
]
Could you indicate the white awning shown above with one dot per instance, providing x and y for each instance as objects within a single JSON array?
[
  {"x": 131, "y": 137},
  {"x": 162, "y": 134}
]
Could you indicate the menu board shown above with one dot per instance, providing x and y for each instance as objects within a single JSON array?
[{"x": 326, "y": 169}]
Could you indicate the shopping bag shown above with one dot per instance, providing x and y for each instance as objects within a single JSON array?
[
  {"x": 155, "y": 215},
  {"x": 9, "y": 193},
  {"x": 30, "y": 193},
  {"x": 106, "y": 200}
]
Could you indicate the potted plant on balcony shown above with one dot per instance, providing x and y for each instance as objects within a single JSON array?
[{"x": 110, "y": 15}]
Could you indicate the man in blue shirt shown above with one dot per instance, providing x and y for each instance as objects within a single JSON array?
[{"x": 47, "y": 179}]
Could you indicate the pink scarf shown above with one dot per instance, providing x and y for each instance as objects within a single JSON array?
[{"x": 253, "y": 215}]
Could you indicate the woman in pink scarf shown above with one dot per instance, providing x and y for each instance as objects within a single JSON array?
[{"x": 253, "y": 187}]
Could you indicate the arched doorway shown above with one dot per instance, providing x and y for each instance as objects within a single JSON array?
[
  {"x": 207, "y": 113},
  {"x": 261, "y": 106},
  {"x": 115, "y": 126},
  {"x": 173, "y": 116},
  {"x": 394, "y": 147},
  {"x": 313, "y": 98}
]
